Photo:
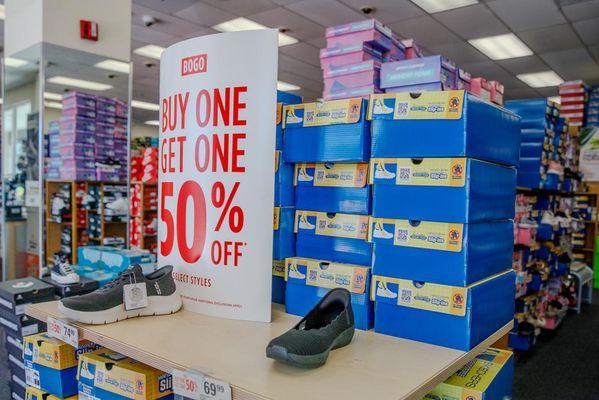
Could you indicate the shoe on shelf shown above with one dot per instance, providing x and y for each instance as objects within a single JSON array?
[
  {"x": 120, "y": 205},
  {"x": 527, "y": 222},
  {"x": 61, "y": 271},
  {"x": 107, "y": 304},
  {"x": 328, "y": 326}
]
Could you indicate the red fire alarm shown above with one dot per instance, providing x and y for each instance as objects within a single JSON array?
[{"x": 88, "y": 30}]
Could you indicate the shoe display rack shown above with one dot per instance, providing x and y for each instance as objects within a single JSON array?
[
  {"x": 379, "y": 365},
  {"x": 143, "y": 230}
]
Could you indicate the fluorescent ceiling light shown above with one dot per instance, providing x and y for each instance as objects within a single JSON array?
[
  {"x": 2, "y": 12},
  {"x": 14, "y": 62},
  {"x": 145, "y": 105},
  {"x": 150, "y": 50},
  {"x": 113, "y": 65},
  {"x": 53, "y": 104},
  {"x": 555, "y": 99},
  {"x": 541, "y": 79},
  {"x": 434, "y": 6},
  {"x": 153, "y": 122},
  {"x": 501, "y": 47},
  {"x": 79, "y": 83},
  {"x": 52, "y": 96},
  {"x": 287, "y": 87},
  {"x": 244, "y": 24}
]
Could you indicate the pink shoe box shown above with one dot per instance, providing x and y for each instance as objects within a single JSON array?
[
  {"x": 78, "y": 111},
  {"x": 73, "y": 163},
  {"x": 78, "y": 137},
  {"x": 79, "y": 99},
  {"x": 414, "y": 73},
  {"x": 74, "y": 150},
  {"x": 496, "y": 92},
  {"x": 364, "y": 92},
  {"x": 105, "y": 117},
  {"x": 411, "y": 49},
  {"x": 53, "y": 173},
  {"x": 463, "y": 81},
  {"x": 121, "y": 109},
  {"x": 120, "y": 133},
  {"x": 105, "y": 105},
  {"x": 368, "y": 31},
  {"x": 75, "y": 174},
  {"x": 352, "y": 76},
  {"x": 481, "y": 88},
  {"x": 76, "y": 123},
  {"x": 338, "y": 56}
]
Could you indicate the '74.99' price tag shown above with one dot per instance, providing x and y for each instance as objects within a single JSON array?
[
  {"x": 197, "y": 386},
  {"x": 63, "y": 331}
]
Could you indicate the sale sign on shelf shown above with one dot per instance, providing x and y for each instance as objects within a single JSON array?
[{"x": 217, "y": 145}]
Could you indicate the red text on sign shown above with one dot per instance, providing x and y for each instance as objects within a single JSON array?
[
  {"x": 226, "y": 253},
  {"x": 220, "y": 153},
  {"x": 174, "y": 110},
  {"x": 194, "y": 64},
  {"x": 171, "y": 150},
  {"x": 220, "y": 105}
]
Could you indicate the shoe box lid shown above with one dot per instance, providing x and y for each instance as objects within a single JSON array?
[
  {"x": 42, "y": 349},
  {"x": 19, "y": 325},
  {"x": 17, "y": 390},
  {"x": 22, "y": 291},
  {"x": 85, "y": 285},
  {"x": 34, "y": 394}
]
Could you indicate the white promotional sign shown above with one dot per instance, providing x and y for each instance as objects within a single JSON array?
[
  {"x": 216, "y": 177},
  {"x": 589, "y": 153}
]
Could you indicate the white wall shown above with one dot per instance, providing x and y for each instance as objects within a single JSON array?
[
  {"x": 140, "y": 129},
  {"x": 22, "y": 13}
]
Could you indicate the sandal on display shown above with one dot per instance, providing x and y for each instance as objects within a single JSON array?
[{"x": 328, "y": 326}]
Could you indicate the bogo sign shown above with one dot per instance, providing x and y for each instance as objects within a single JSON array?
[{"x": 216, "y": 149}]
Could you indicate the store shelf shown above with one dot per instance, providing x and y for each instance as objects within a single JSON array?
[{"x": 373, "y": 366}]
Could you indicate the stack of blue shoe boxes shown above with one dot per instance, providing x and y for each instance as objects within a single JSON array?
[
  {"x": 592, "y": 111},
  {"x": 443, "y": 178},
  {"x": 542, "y": 131},
  {"x": 284, "y": 210},
  {"x": 330, "y": 145}
]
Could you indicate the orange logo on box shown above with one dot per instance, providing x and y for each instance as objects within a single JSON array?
[
  {"x": 458, "y": 299},
  {"x": 457, "y": 170},
  {"x": 454, "y": 234},
  {"x": 194, "y": 64}
]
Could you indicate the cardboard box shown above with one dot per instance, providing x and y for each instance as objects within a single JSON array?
[
  {"x": 332, "y": 131},
  {"x": 438, "y": 252},
  {"x": 363, "y": 92},
  {"x": 455, "y": 317},
  {"x": 38, "y": 394},
  {"x": 443, "y": 124},
  {"x": 333, "y": 236},
  {"x": 480, "y": 87},
  {"x": 19, "y": 325},
  {"x": 111, "y": 258},
  {"x": 84, "y": 286},
  {"x": 278, "y": 281},
  {"x": 404, "y": 75},
  {"x": 332, "y": 187},
  {"x": 339, "y": 79},
  {"x": 497, "y": 91},
  {"x": 463, "y": 81},
  {"x": 334, "y": 57},
  {"x": 368, "y": 31},
  {"x": 16, "y": 294},
  {"x": 308, "y": 280},
  {"x": 108, "y": 375},
  {"x": 472, "y": 190},
  {"x": 284, "y": 195},
  {"x": 283, "y": 233},
  {"x": 411, "y": 49}
]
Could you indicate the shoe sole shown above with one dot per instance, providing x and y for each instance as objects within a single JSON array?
[
  {"x": 157, "y": 305},
  {"x": 63, "y": 280},
  {"x": 312, "y": 361}
]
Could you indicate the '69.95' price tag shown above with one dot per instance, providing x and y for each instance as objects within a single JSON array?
[
  {"x": 197, "y": 386},
  {"x": 63, "y": 331}
]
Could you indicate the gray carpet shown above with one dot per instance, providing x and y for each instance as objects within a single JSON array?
[{"x": 4, "y": 371}]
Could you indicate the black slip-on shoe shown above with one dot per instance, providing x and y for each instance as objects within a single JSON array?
[
  {"x": 526, "y": 329},
  {"x": 328, "y": 326}
]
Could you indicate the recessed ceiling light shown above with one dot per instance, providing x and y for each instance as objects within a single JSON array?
[
  {"x": 113, "y": 65},
  {"x": 14, "y": 62},
  {"x": 287, "y": 87},
  {"x": 244, "y": 24},
  {"x": 53, "y": 104},
  {"x": 2, "y": 12},
  {"x": 79, "y": 83},
  {"x": 501, "y": 47},
  {"x": 52, "y": 96},
  {"x": 145, "y": 105},
  {"x": 434, "y": 6},
  {"x": 150, "y": 50},
  {"x": 541, "y": 79},
  {"x": 153, "y": 122}
]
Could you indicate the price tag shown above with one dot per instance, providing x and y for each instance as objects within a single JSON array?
[
  {"x": 197, "y": 386},
  {"x": 32, "y": 377},
  {"x": 62, "y": 331},
  {"x": 135, "y": 296}
]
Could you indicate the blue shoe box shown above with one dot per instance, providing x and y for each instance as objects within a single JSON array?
[
  {"x": 284, "y": 191},
  {"x": 111, "y": 258},
  {"x": 455, "y": 317},
  {"x": 441, "y": 253},
  {"x": 283, "y": 233},
  {"x": 283, "y": 99},
  {"x": 333, "y": 236},
  {"x": 531, "y": 149},
  {"x": 530, "y": 165},
  {"x": 278, "y": 281},
  {"x": 309, "y": 280},
  {"x": 522, "y": 343},
  {"x": 443, "y": 124},
  {"x": 335, "y": 187},
  {"x": 536, "y": 135},
  {"x": 442, "y": 189},
  {"x": 331, "y": 131}
]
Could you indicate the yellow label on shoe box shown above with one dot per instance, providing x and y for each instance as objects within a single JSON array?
[
  {"x": 332, "y": 224},
  {"x": 37, "y": 394},
  {"x": 279, "y": 113},
  {"x": 424, "y": 296},
  {"x": 276, "y": 218},
  {"x": 277, "y": 158},
  {"x": 423, "y": 105},
  {"x": 421, "y": 234},
  {"x": 345, "y": 111},
  {"x": 332, "y": 174},
  {"x": 327, "y": 274},
  {"x": 278, "y": 268},
  {"x": 53, "y": 353},
  {"x": 419, "y": 171}
]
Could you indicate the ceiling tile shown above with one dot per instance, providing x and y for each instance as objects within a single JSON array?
[
  {"x": 581, "y": 10},
  {"x": 523, "y": 93},
  {"x": 459, "y": 52},
  {"x": 164, "y": 22},
  {"x": 486, "y": 69},
  {"x": 572, "y": 64},
  {"x": 527, "y": 14},
  {"x": 588, "y": 30},
  {"x": 302, "y": 51},
  {"x": 168, "y": 7},
  {"x": 325, "y": 12},
  {"x": 147, "y": 35},
  {"x": 523, "y": 65},
  {"x": 287, "y": 63},
  {"x": 204, "y": 14},
  {"x": 242, "y": 7},
  {"x": 472, "y": 22},
  {"x": 319, "y": 42},
  {"x": 299, "y": 27},
  {"x": 595, "y": 52},
  {"x": 425, "y": 30},
  {"x": 387, "y": 11},
  {"x": 558, "y": 37},
  {"x": 548, "y": 91},
  {"x": 310, "y": 84}
]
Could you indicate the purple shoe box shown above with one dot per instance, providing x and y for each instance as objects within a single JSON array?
[
  {"x": 79, "y": 99},
  {"x": 77, "y": 123},
  {"x": 73, "y": 163},
  {"x": 352, "y": 76},
  {"x": 106, "y": 117},
  {"x": 85, "y": 137},
  {"x": 74, "y": 150},
  {"x": 105, "y": 129},
  {"x": 106, "y": 176},
  {"x": 102, "y": 152},
  {"x": 419, "y": 71},
  {"x": 78, "y": 111},
  {"x": 53, "y": 173},
  {"x": 396, "y": 52},
  {"x": 364, "y": 92},
  {"x": 75, "y": 174},
  {"x": 105, "y": 105},
  {"x": 463, "y": 81},
  {"x": 53, "y": 127},
  {"x": 368, "y": 31},
  {"x": 425, "y": 87},
  {"x": 120, "y": 132},
  {"x": 334, "y": 57},
  {"x": 121, "y": 109}
]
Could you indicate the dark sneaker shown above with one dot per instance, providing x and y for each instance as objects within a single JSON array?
[
  {"x": 107, "y": 304},
  {"x": 328, "y": 326}
]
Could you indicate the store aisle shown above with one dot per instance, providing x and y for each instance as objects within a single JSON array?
[{"x": 564, "y": 365}]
